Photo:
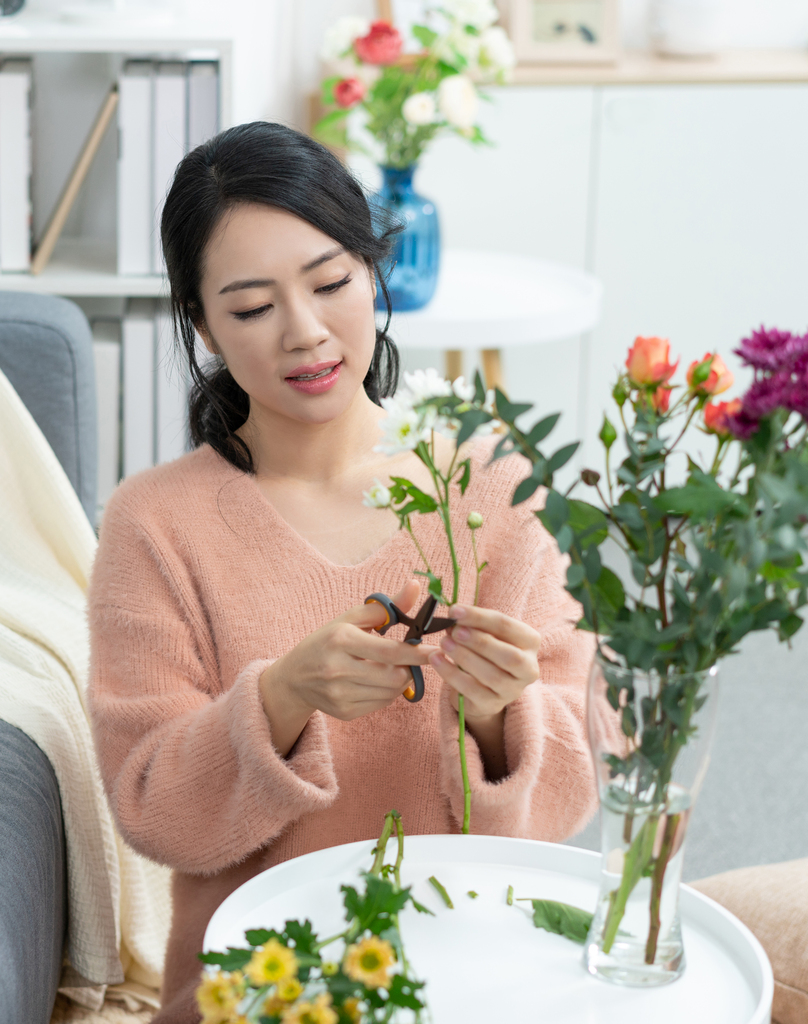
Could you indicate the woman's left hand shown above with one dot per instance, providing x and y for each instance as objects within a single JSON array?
[{"x": 494, "y": 658}]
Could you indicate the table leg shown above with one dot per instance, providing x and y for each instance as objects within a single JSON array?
[
  {"x": 454, "y": 363},
  {"x": 492, "y": 368}
]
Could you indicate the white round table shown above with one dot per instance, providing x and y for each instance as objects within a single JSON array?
[
  {"x": 484, "y": 961},
  {"x": 491, "y": 300}
]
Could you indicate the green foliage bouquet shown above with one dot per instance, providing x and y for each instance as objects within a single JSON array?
[
  {"x": 409, "y": 98},
  {"x": 697, "y": 563}
]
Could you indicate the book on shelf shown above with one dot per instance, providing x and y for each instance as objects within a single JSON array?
[
  {"x": 203, "y": 101},
  {"x": 138, "y": 357},
  {"x": 107, "y": 357},
  {"x": 135, "y": 210},
  {"x": 15, "y": 164},
  {"x": 170, "y": 140}
]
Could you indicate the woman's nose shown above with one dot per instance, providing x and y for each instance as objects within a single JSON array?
[{"x": 303, "y": 327}]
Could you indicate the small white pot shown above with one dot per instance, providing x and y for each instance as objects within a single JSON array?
[{"x": 685, "y": 28}]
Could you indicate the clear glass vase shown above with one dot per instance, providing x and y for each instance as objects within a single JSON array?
[
  {"x": 416, "y": 258},
  {"x": 650, "y": 737}
]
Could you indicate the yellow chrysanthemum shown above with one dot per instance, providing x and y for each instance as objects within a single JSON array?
[
  {"x": 369, "y": 961},
  {"x": 289, "y": 990},
  {"x": 274, "y": 1006},
  {"x": 318, "y": 1012},
  {"x": 351, "y": 1008},
  {"x": 218, "y": 997},
  {"x": 272, "y": 963}
]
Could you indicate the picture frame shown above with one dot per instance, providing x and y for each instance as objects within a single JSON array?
[{"x": 563, "y": 31}]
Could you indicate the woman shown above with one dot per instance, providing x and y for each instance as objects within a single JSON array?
[{"x": 245, "y": 712}]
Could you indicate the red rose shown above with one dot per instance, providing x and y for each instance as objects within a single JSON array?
[
  {"x": 717, "y": 416},
  {"x": 661, "y": 399},
  {"x": 382, "y": 45},
  {"x": 349, "y": 92},
  {"x": 649, "y": 362}
]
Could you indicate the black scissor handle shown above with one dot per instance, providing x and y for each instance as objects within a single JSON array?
[
  {"x": 415, "y": 692},
  {"x": 389, "y": 607}
]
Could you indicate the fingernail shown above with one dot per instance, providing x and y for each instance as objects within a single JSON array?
[
  {"x": 461, "y": 633},
  {"x": 448, "y": 644},
  {"x": 436, "y": 658},
  {"x": 457, "y": 611}
]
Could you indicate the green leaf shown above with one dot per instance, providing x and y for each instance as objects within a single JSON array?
[
  {"x": 702, "y": 371},
  {"x": 540, "y": 430},
  {"x": 425, "y": 36},
  {"x": 530, "y": 484},
  {"x": 302, "y": 935},
  {"x": 469, "y": 421},
  {"x": 588, "y": 522},
  {"x": 561, "y": 919},
  {"x": 479, "y": 387},
  {"x": 435, "y": 585},
  {"x": 466, "y": 476},
  {"x": 562, "y": 456},
  {"x": 556, "y": 511},
  {"x": 592, "y": 564},
  {"x": 233, "y": 960},
  {"x": 402, "y": 992},
  {"x": 608, "y": 434},
  {"x": 258, "y": 936},
  {"x": 328, "y": 89},
  {"x": 508, "y": 411},
  {"x": 444, "y": 895},
  {"x": 701, "y": 497},
  {"x": 330, "y": 119},
  {"x": 420, "y": 907},
  {"x": 789, "y": 626},
  {"x": 374, "y": 909},
  {"x": 575, "y": 576},
  {"x": 419, "y": 501}
]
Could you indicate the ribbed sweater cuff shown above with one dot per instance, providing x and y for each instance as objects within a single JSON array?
[{"x": 502, "y": 807}]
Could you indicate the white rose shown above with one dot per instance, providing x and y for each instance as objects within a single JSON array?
[
  {"x": 339, "y": 38},
  {"x": 457, "y": 101},
  {"x": 426, "y": 384},
  {"x": 419, "y": 109},
  {"x": 378, "y": 496},
  {"x": 496, "y": 50},
  {"x": 477, "y": 13}
]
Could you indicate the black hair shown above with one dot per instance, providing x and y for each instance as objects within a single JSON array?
[{"x": 271, "y": 164}]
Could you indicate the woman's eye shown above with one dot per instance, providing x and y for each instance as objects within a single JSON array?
[
  {"x": 337, "y": 284},
  {"x": 251, "y": 314}
]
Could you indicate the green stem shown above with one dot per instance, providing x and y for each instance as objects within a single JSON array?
[
  {"x": 657, "y": 879},
  {"x": 461, "y": 715},
  {"x": 476, "y": 565},
  {"x": 636, "y": 860},
  {"x": 381, "y": 846},
  {"x": 417, "y": 545}
]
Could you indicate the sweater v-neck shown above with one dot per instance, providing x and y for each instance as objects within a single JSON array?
[{"x": 259, "y": 501}]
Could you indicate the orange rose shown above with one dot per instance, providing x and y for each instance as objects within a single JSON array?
[
  {"x": 720, "y": 377},
  {"x": 649, "y": 363},
  {"x": 661, "y": 399},
  {"x": 717, "y": 416}
]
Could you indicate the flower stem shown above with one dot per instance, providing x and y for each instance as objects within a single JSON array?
[
  {"x": 636, "y": 860},
  {"x": 657, "y": 879},
  {"x": 461, "y": 716}
]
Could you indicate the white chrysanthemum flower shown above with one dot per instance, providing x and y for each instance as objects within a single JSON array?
[
  {"x": 463, "y": 390},
  {"x": 496, "y": 50},
  {"x": 419, "y": 109},
  {"x": 458, "y": 101},
  {"x": 477, "y": 13},
  {"x": 402, "y": 430},
  {"x": 340, "y": 36},
  {"x": 490, "y": 401},
  {"x": 378, "y": 496},
  {"x": 425, "y": 384}
]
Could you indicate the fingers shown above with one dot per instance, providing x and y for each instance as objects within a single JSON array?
[
  {"x": 373, "y": 615},
  {"x": 480, "y": 699},
  {"x": 509, "y": 630},
  {"x": 390, "y": 652}
]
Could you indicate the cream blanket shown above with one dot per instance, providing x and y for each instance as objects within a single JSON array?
[{"x": 118, "y": 903}]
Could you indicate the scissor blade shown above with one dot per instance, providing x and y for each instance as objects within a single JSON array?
[{"x": 438, "y": 623}]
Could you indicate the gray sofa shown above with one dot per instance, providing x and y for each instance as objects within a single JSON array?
[{"x": 752, "y": 809}]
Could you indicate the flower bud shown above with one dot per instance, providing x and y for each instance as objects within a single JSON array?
[
  {"x": 648, "y": 362},
  {"x": 378, "y": 496},
  {"x": 590, "y": 477},
  {"x": 608, "y": 434},
  {"x": 475, "y": 520},
  {"x": 330, "y": 968},
  {"x": 710, "y": 376}
]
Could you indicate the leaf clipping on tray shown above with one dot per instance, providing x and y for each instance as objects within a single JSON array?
[{"x": 561, "y": 919}]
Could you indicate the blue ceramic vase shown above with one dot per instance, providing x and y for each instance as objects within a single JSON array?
[{"x": 416, "y": 259}]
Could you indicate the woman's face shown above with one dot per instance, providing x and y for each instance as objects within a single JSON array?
[{"x": 290, "y": 312}]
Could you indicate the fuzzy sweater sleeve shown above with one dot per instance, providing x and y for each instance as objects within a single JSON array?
[
  {"x": 187, "y": 758},
  {"x": 549, "y": 792}
]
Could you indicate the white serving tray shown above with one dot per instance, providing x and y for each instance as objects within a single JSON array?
[{"x": 484, "y": 961}]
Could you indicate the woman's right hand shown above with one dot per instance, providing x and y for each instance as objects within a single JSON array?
[{"x": 343, "y": 669}]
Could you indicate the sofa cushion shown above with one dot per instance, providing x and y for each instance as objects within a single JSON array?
[{"x": 772, "y": 901}]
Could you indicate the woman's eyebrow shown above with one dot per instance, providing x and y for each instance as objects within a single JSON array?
[{"x": 264, "y": 282}]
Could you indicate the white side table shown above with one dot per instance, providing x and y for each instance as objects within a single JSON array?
[
  {"x": 491, "y": 300},
  {"x": 484, "y": 961}
]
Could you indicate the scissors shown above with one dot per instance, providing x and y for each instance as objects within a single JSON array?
[{"x": 424, "y": 622}]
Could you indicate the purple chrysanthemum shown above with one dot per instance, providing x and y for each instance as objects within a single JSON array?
[
  {"x": 742, "y": 425},
  {"x": 796, "y": 397},
  {"x": 774, "y": 350},
  {"x": 766, "y": 394}
]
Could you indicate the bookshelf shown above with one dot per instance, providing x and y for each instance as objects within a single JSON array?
[{"x": 73, "y": 65}]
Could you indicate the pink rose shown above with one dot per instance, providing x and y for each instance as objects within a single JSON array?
[
  {"x": 719, "y": 380},
  {"x": 649, "y": 363},
  {"x": 382, "y": 45},
  {"x": 661, "y": 399},
  {"x": 349, "y": 92}
]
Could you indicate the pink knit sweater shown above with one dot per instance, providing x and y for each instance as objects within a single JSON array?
[{"x": 198, "y": 584}]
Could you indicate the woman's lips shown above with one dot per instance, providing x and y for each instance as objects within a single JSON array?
[{"x": 315, "y": 385}]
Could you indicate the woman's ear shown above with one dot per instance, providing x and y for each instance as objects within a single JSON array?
[{"x": 205, "y": 335}]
